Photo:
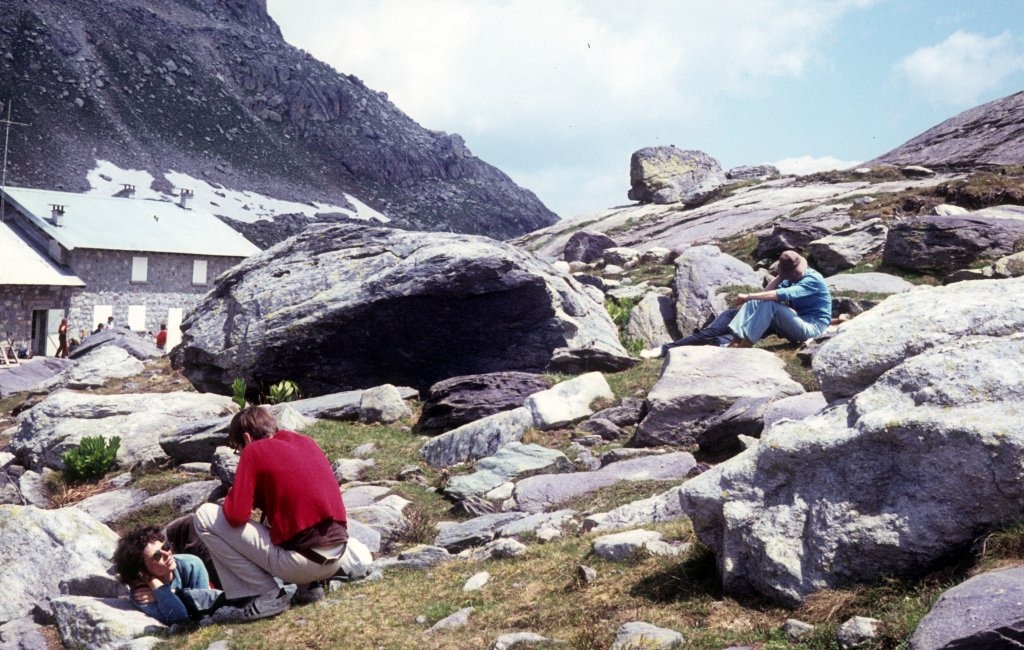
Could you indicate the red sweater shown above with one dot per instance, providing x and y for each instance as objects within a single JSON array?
[{"x": 288, "y": 477}]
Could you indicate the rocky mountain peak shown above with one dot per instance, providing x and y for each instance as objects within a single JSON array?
[{"x": 209, "y": 88}]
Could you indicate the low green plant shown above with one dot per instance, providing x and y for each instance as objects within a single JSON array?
[
  {"x": 283, "y": 391},
  {"x": 238, "y": 389},
  {"x": 91, "y": 459}
]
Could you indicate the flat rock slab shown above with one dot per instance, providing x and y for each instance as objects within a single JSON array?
[
  {"x": 796, "y": 407},
  {"x": 197, "y": 440},
  {"x": 630, "y": 544},
  {"x": 48, "y": 429},
  {"x": 108, "y": 506},
  {"x": 652, "y": 510},
  {"x": 477, "y": 439},
  {"x": 982, "y": 612},
  {"x": 363, "y": 495},
  {"x": 139, "y": 346},
  {"x": 459, "y": 536},
  {"x": 71, "y": 553},
  {"x": 540, "y": 493},
  {"x": 97, "y": 368},
  {"x": 22, "y": 634},
  {"x": 512, "y": 462},
  {"x": 100, "y": 622},
  {"x": 869, "y": 283},
  {"x": 30, "y": 373},
  {"x": 699, "y": 384}
]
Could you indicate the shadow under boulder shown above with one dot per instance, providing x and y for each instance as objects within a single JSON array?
[{"x": 341, "y": 307}]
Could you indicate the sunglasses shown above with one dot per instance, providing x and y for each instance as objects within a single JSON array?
[{"x": 161, "y": 552}]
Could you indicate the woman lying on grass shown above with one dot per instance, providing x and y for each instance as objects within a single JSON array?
[{"x": 172, "y": 588}]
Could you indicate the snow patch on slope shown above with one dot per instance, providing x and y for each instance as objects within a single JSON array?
[{"x": 249, "y": 207}]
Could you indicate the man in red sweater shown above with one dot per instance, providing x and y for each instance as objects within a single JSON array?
[{"x": 303, "y": 533}]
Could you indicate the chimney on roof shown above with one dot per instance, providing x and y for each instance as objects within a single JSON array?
[
  {"x": 184, "y": 197},
  {"x": 57, "y": 214},
  {"x": 127, "y": 190}
]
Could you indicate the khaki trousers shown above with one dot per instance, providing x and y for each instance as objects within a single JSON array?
[{"x": 247, "y": 561}]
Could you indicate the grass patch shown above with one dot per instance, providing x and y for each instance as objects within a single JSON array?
[
  {"x": 163, "y": 480},
  {"x": 150, "y": 515},
  {"x": 616, "y": 495},
  {"x": 397, "y": 446},
  {"x": 635, "y": 381},
  {"x": 787, "y": 351},
  {"x": 656, "y": 275},
  {"x": 742, "y": 247}
]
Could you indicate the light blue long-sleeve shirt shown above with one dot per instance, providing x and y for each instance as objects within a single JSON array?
[{"x": 810, "y": 297}]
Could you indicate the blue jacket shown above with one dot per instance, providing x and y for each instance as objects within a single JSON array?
[{"x": 810, "y": 298}]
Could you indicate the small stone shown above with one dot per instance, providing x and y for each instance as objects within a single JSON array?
[
  {"x": 364, "y": 450},
  {"x": 856, "y": 632},
  {"x": 796, "y": 629},
  {"x": 458, "y": 619},
  {"x": 586, "y": 574},
  {"x": 477, "y": 581},
  {"x": 421, "y": 620}
]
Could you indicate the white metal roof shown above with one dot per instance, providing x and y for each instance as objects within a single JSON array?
[
  {"x": 126, "y": 224},
  {"x": 20, "y": 263}
]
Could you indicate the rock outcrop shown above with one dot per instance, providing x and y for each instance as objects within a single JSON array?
[
  {"x": 211, "y": 89},
  {"x": 342, "y": 307},
  {"x": 909, "y": 471},
  {"x": 70, "y": 552},
  {"x": 983, "y": 612},
  {"x": 940, "y": 245},
  {"x": 48, "y": 429},
  {"x": 986, "y": 135},
  {"x": 907, "y": 324},
  {"x": 672, "y": 175}
]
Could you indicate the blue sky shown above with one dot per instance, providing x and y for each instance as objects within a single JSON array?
[{"x": 559, "y": 93}]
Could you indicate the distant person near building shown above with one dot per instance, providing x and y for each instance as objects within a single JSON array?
[
  {"x": 99, "y": 328},
  {"x": 161, "y": 338},
  {"x": 110, "y": 322},
  {"x": 62, "y": 338}
]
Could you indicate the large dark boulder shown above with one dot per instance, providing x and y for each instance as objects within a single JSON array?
[
  {"x": 672, "y": 175},
  {"x": 461, "y": 400},
  {"x": 940, "y": 245},
  {"x": 982, "y": 613},
  {"x": 342, "y": 306},
  {"x": 586, "y": 246},
  {"x": 786, "y": 236}
]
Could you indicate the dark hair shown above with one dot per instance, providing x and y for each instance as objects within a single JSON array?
[
  {"x": 254, "y": 420},
  {"x": 129, "y": 557}
]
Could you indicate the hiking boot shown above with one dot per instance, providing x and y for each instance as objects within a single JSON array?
[
  {"x": 265, "y": 605},
  {"x": 310, "y": 593},
  {"x": 653, "y": 353}
]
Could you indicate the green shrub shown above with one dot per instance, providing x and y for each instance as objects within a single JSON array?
[
  {"x": 283, "y": 391},
  {"x": 91, "y": 459},
  {"x": 238, "y": 389}
]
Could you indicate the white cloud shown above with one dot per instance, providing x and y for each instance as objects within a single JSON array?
[
  {"x": 801, "y": 165},
  {"x": 960, "y": 69},
  {"x": 560, "y": 64},
  {"x": 564, "y": 90}
]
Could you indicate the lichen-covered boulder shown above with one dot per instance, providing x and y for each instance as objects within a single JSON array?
[
  {"x": 700, "y": 272},
  {"x": 346, "y": 306},
  {"x": 846, "y": 248},
  {"x": 910, "y": 470},
  {"x": 58, "y": 423},
  {"x": 786, "y": 236},
  {"x": 909, "y": 323},
  {"x": 46, "y": 553},
  {"x": 586, "y": 247},
  {"x": 672, "y": 175}
]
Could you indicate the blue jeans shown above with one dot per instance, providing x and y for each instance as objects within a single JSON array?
[
  {"x": 755, "y": 317},
  {"x": 716, "y": 333}
]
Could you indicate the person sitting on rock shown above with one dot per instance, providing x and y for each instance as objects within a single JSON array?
[
  {"x": 288, "y": 477},
  {"x": 796, "y": 305},
  {"x": 170, "y": 587}
]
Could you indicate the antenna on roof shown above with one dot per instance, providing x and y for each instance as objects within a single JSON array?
[{"x": 3, "y": 177}]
